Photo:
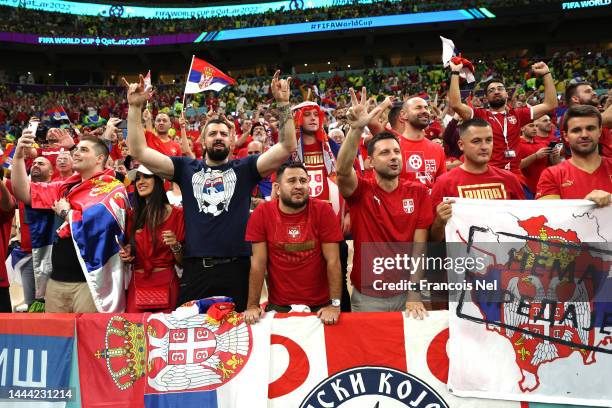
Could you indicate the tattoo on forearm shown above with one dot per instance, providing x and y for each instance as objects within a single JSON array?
[{"x": 284, "y": 114}]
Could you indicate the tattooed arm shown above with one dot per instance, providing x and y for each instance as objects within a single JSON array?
[{"x": 279, "y": 153}]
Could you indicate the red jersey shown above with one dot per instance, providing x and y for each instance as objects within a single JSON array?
[
  {"x": 423, "y": 160},
  {"x": 50, "y": 153},
  {"x": 317, "y": 173},
  {"x": 6, "y": 218},
  {"x": 297, "y": 271},
  {"x": 380, "y": 216},
  {"x": 569, "y": 182},
  {"x": 605, "y": 142},
  {"x": 149, "y": 256},
  {"x": 493, "y": 184},
  {"x": 512, "y": 120},
  {"x": 169, "y": 148},
  {"x": 533, "y": 171}
]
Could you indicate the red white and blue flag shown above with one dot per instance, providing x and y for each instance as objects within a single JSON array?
[
  {"x": 205, "y": 77},
  {"x": 58, "y": 113}
]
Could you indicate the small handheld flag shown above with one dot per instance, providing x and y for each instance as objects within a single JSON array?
[
  {"x": 205, "y": 77},
  {"x": 58, "y": 113},
  {"x": 449, "y": 52}
]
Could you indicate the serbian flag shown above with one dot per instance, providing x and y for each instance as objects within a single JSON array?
[
  {"x": 58, "y": 113},
  {"x": 8, "y": 157},
  {"x": 205, "y": 77},
  {"x": 369, "y": 359},
  {"x": 207, "y": 361},
  {"x": 36, "y": 352},
  {"x": 112, "y": 359},
  {"x": 42, "y": 225},
  {"x": 449, "y": 52},
  {"x": 147, "y": 80}
]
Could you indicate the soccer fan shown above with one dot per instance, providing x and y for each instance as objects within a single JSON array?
[
  {"x": 156, "y": 230},
  {"x": 295, "y": 239},
  {"x": 216, "y": 196},
  {"x": 535, "y": 155},
  {"x": 63, "y": 165},
  {"x": 586, "y": 174},
  {"x": 7, "y": 211},
  {"x": 384, "y": 209},
  {"x": 505, "y": 121},
  {"x": 67, "y": 290},
  {"x": 582, "y": 93},
  {"x": 475, "y": 178},
  {"x": 40, "y": 172},
  {"x": 161, "y": 140},
  {"x": 423, "y": 160}
]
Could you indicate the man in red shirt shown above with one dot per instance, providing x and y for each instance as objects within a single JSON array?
[
  {"x": 586, "y": 174},
  {"x": 7, "y": 210},
  {"x": 422, "y": 159},
  {"x": 295, "y": 239},
  {"x": 161, "y": 140},
  {"x": 505, "y": 121},
  {"x": 384, "y": 209},
  {"x": 475, "y": 178},
  {"x": 535, "y": 155},
  {"x": 582, "y": 93}
]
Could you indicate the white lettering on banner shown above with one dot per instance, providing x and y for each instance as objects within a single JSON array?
[
  {"x": 29, "y": 374},
  {"x": 584, "y": 4}
]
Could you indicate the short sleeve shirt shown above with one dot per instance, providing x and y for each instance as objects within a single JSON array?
[{"x": 216, "y": 203}]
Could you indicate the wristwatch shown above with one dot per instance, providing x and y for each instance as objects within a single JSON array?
[{"x": 335, "y": 302}]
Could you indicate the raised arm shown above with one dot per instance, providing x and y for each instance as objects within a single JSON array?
[
  {"x": 550, "y": 92},
  {"x": 358, "y": 117},
  {"x": 155, "y": 161},
  {"x": 184, "y": 143},
  {"x": 454, "y": 93},
  {"x": 271, "y": 160},
  {"x": 19, "y": 176}
]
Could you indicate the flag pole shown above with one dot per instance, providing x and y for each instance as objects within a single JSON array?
[{"x": 186, "y": 80}]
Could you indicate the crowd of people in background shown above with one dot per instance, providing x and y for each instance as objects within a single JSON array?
[
  {"x": 288, "y": 171},
  {"x": 23, "y": 20}
]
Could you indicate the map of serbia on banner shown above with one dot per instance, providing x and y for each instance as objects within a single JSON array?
[
  {"x": 536, "y": 322},
  {"x": 35, "y": 360}
]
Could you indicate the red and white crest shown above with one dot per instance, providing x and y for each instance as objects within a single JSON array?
[
  {"x": 316, "y": 182},
  {"x": 294, "y": 232},
  {"x": 408, "y": 205},
  {"x": 512, "y": 119},
  {"x": 197, "y": 353},
  {"x": 206, "y": 79}
]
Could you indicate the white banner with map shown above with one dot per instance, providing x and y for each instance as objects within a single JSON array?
[{"x": 535, "y": 323}]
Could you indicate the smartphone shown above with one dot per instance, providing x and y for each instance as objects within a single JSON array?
[{"x": 33, "y": 126}]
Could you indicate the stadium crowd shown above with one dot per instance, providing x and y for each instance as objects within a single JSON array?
[
  {"x": 23, "y": 20},
  {"x": 271, "y": 179}
]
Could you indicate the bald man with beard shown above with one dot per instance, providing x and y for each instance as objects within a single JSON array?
[{"x": 422, "y": 159}]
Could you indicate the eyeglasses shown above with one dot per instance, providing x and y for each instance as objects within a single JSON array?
[{"x": 493, "y": 89}]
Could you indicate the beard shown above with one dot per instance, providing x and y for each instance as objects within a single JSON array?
[
  {"x": 417, "y": 123},
  {"x": 590, "y": 102},
  {"x": 497, "y": 103},
  {"x": 218, "y": 155},
  {"x": 294, "y": 204}
]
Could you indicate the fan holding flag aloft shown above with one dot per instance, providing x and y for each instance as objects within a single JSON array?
[{"x": 203, "y": 76}]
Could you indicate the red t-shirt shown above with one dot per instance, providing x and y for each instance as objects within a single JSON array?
[
  {"x": 50, "y": 153},
  {"x": 494, "y": 184},
  {"x": 569, "y": 182},
  {"x": 6, "y": 218},
  {"x": 380, "y": 216},
  {"x": 423, "y": 160},
  {"x": 317, "y": 173},
  {"x": 533, "y": 171},
  {"x": 169, "y": 148},
  {"x": 297, "y": 271},
  {"x": 149, "y": 256},
  {"x": 514, "y": 119},
  {"x": 605, "y": 141}
]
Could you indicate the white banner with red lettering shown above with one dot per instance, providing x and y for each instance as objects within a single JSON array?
[{"x": 534, "y": 323}]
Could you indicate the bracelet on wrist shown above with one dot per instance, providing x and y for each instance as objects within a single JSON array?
[
  {"x": 547, "y": 73},
  {"x": 455, "y": 72},
  {"x": 176, "y": 248}
]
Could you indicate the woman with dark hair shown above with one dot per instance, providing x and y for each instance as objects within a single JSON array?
[{"x": 155, "y": 230}]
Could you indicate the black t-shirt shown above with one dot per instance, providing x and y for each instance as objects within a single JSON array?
[
  {"x": 216, "y": 203},
  {"x": 66, "y": 266}
]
